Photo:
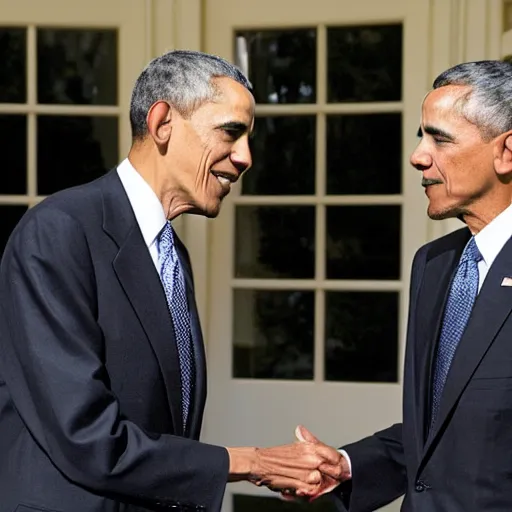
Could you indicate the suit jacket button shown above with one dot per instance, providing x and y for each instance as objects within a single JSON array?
[{"x": 420, "y": 486}]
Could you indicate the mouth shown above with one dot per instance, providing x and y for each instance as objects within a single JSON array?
[
  {"x": 225, "y": 179},
  {"x": 427, "y": 183}
]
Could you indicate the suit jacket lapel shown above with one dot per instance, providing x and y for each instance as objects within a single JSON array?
[
  {"x": 199, "y": 398},
  {"x": 138, "y": 277},
  {"x": 492, "y": 307},
  {"x": 429, "y": 314}
]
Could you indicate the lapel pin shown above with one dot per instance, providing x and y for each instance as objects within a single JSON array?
[{"x": 507, "y": 281}]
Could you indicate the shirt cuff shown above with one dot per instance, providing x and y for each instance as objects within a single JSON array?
[{"x": 347, "y": 458}]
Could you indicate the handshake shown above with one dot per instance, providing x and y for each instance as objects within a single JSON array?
[{"x": 306, "y": 469}]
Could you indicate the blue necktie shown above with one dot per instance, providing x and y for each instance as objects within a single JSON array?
[
  {"x": 173, "y": 282},
  {"x": 461, "y": 298}
]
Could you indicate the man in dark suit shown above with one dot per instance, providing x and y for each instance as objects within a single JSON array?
[
  {"x": 452, "y": 452},
  {"x": 102, "y": 365}
]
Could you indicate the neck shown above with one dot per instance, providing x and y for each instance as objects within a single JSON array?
[
  {"x": 160, "y": 178},
  {"x": 481, "y": 213}
]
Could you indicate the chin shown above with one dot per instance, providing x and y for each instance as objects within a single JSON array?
[
  {"x": 211, "y": 210},
  {"x": 442, "y": 213}
]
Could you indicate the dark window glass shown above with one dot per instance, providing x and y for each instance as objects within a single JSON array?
[
  {"x": 77, "y": 66},
  {"x": 282, "y": 64},
  {"x": 364, "y": 154},
  {"x": 363, "y": 242},
  {"x": 273, "y": 334},
  {"x": 364, "y": 63},
  {"x": 283, "y": 157},
  {"x": 13, "y": 134},
  {"x": 10, "y": 216},
  {"x": 361, "y": 330},
  {"x": 72, "y": 150},
  {"x": 275, "y": 242},
  {"x": 13, "y": 58},
  {"x": 244, "y": 503}
]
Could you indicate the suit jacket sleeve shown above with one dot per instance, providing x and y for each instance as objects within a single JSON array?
[
  {"x": 378, "y": 472},
  {"x": 51, "y": 358}
]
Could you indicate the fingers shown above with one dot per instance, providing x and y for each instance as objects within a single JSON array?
[
  {"x": 307, "y": 477},
  {"x": 304, "y": 435},
  {"x": 328, "y": 453},
  {"x": 291, "y": 488}
]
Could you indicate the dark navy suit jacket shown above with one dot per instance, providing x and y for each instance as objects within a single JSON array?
[
  {"x": 464, "y": 463},
  {"x": 90, "y": 391}
]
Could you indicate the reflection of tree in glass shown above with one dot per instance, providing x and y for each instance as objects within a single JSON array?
[
  {"x": 365, "y": 63},
  {"x": 287, "y": 241},
  {"x": 364, "y": 154},
  {"x": 363, "y": 242},
  {"x": 361, "y": 336},
  {"x": 13, "y": 59},
  {"x": 246, "y": 503},
  {"x": 70, "y": 150},
  {"x": 282, "y": 65},
  {"x": 77, "y": 66},
  {"x": 283, "y": 155},
  {"x": 10, "y": 215},
  {"x": 285, "y": 323}
]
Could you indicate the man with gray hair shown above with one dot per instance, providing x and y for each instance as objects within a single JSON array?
[
  {"x": 102, "y": 364},
  {"x": 452, "y": 451}
]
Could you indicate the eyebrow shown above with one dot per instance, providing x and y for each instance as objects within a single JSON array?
[
  {"x": 234, "y": 125},
  {"x": 432, "y": 130}
]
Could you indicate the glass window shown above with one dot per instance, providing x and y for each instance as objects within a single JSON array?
[
  {"x": 364, "y": 63},
  {"x": 72, "y": 150},
  {"x": 77, "y": 66},
  {"x": 281, "y": 64},
  {"x": 273, "y": 334},
  {"x": 13, "y": 55}
]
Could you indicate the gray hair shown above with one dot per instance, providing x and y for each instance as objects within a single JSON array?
[
  {"x": 488, "y": 105},
  {"x": 184, "y": 79}
]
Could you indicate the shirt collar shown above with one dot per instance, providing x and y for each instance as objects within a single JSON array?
[
  {"x": 146, "y": 206},
  {"x": 494, "y": 236}
]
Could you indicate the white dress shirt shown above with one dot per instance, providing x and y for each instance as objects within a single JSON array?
[
  {"x": 146, "y": 206},
  {"x": 490, "y": 240}
]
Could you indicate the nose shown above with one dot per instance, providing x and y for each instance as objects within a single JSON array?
[
  {"x": 241, "y": 155},
  {"x": 420, "y": 159}
]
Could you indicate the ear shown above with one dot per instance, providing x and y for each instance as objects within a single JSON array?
[
  {"x": 159, "y": 123},
  {"x": 503, "y": 154}
]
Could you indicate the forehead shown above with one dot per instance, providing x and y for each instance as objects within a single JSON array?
[
  {"x": 444, "y": 105},
  {"x": 232, "y": 100}
]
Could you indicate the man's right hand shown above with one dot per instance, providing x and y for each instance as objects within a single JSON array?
[{"x": 304, "y": 468}]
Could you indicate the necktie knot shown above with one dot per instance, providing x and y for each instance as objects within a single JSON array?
[{"x": 471, "y": 252}]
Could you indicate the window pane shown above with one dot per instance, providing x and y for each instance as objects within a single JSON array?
[
  {"x": 364, "y": 63},
  {"x": 273, "y": 334},
  {"x": 284, "y": 157},
  {"x": 363, "y": 242},
  {"x": 361, "y": 331},
  {"x": 282, "y": 64},
  {"x": 13, "y": 134},
  {"x": 72, "y": 150},
  {"x": 77, "y": 66},
  {"x": 10, "y": 216},
  {"x": 275, "y": 241},
  {"x": 244, "y": 503},
  {"x": 364, "y": 154},
  {"x": 13, "y": 56}
]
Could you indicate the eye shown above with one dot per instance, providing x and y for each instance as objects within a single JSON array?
[{"x": 231, "y": 133}]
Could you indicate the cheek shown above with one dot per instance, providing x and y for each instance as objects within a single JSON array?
[{"x": 463, "y": 179}]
